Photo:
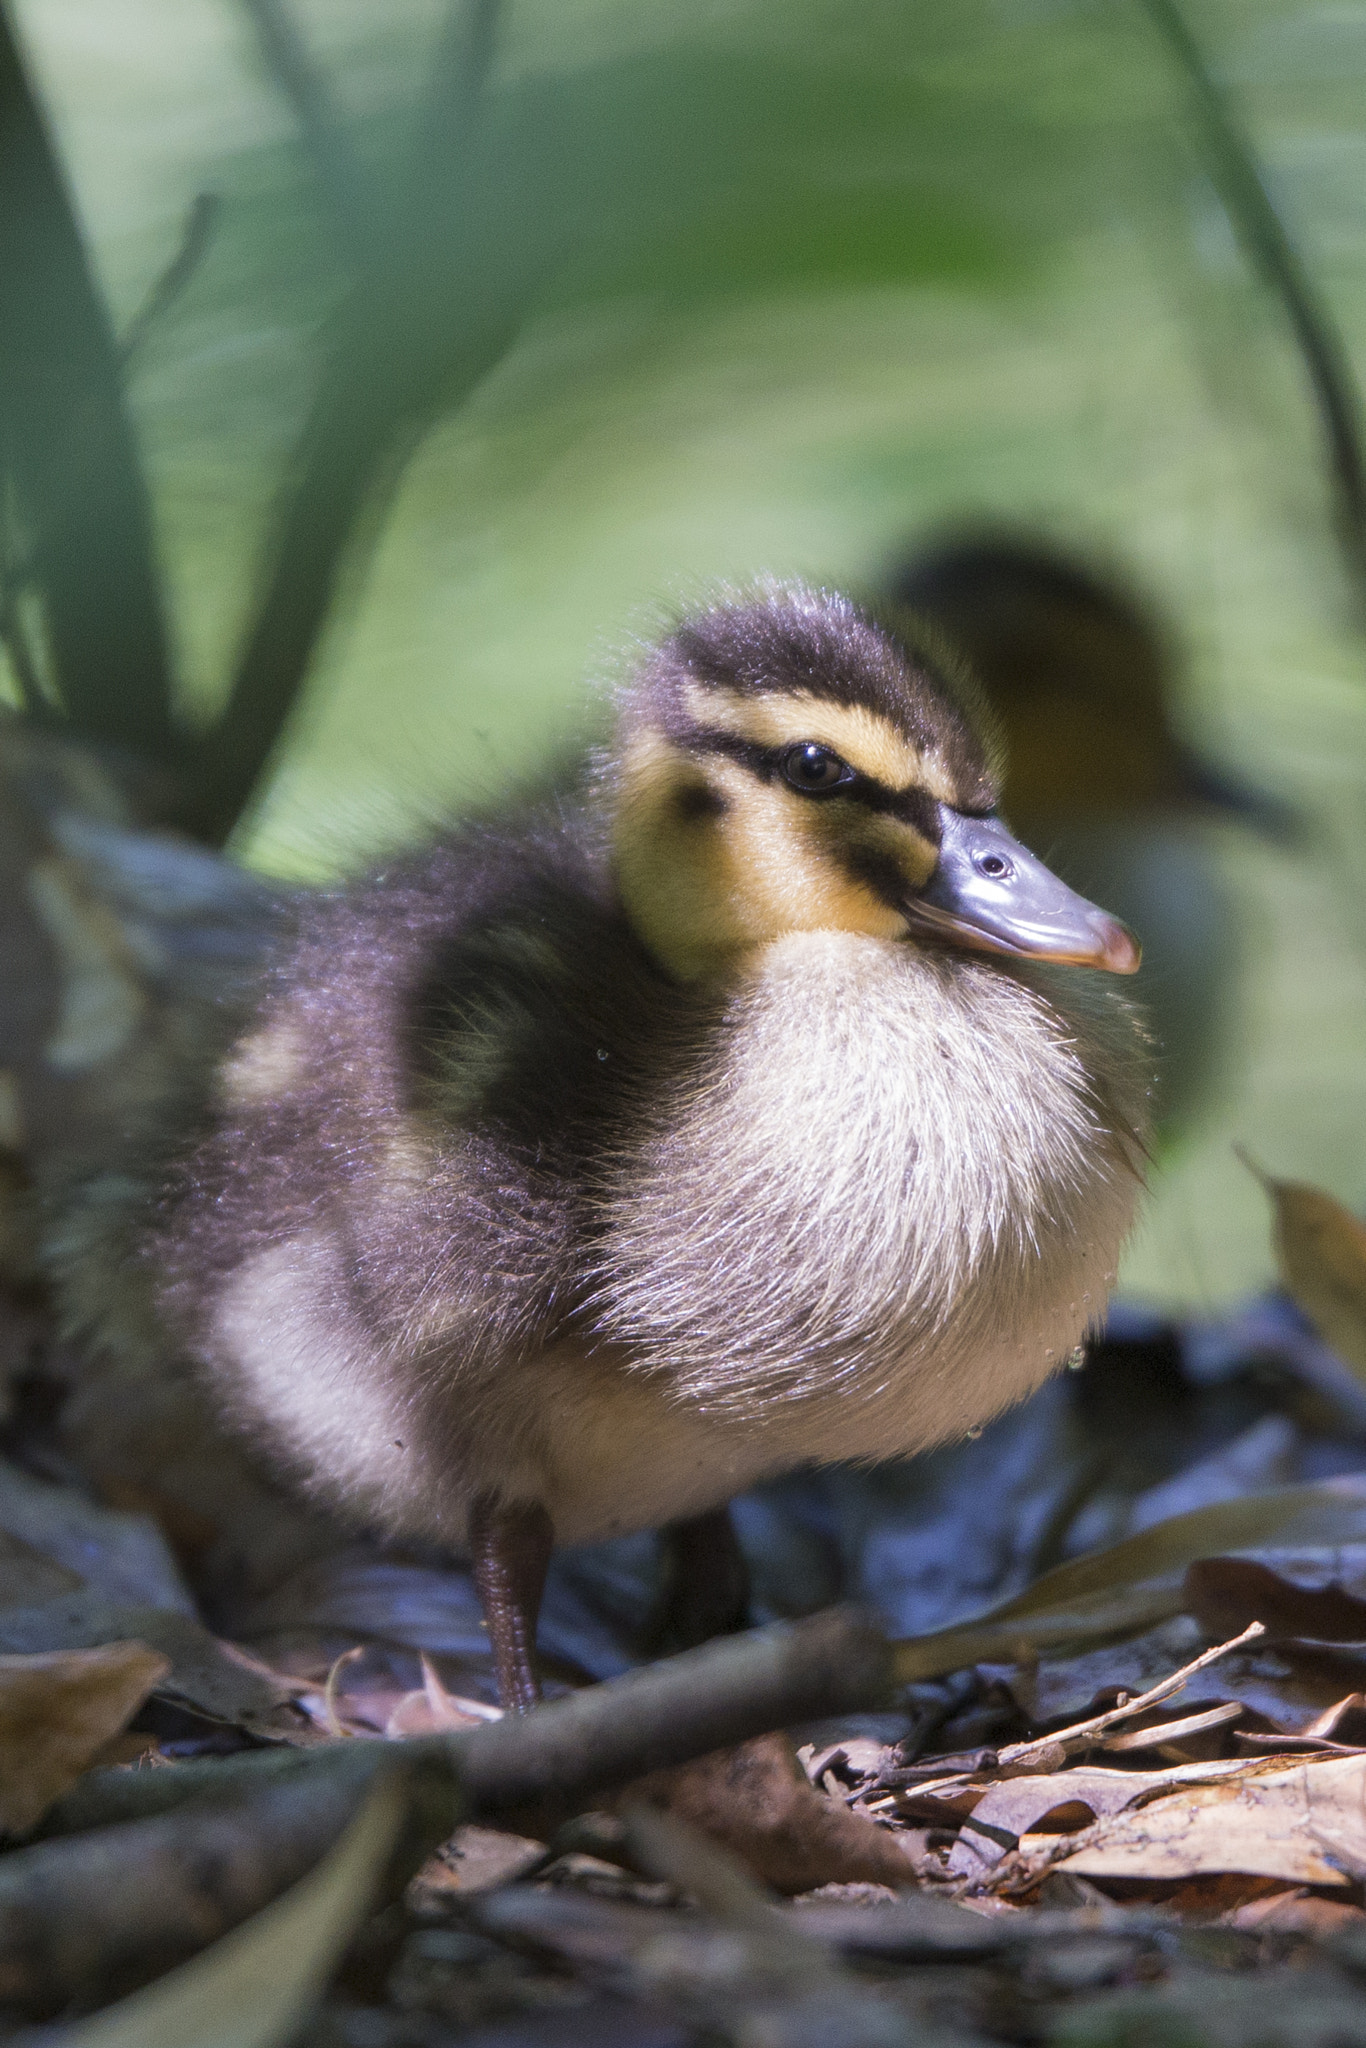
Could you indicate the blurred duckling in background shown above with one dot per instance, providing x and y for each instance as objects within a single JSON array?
[
  {"x": 746, "y": 1103},
  {"x": 1082, "y": 682}
]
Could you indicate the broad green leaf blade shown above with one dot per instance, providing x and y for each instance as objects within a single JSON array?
[
  {"x": 252, "y": 1988},
  {"x": 1137, "y": 1583}
]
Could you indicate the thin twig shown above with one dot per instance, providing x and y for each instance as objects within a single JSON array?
[
  {"x": 1076, "y": 1737},
  {"x": 566, "y": 1753},
  {"x": 1271, "y": 249},
  {"x": 1166, "y": 1734}
]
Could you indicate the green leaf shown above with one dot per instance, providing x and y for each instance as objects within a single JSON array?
[
  {"x": 252, "y": 1988},
  {"x": 1137, "y": 1583}
]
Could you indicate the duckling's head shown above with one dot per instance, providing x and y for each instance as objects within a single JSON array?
[{"x": 785, "y": 764}]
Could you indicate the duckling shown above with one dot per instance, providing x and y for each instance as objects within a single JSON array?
[
  {"x": 738, "y": 1105},
  {"x": 1081, "y": 674}
]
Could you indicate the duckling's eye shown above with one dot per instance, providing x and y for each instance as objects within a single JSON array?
[{"x": 813, "y": 769}]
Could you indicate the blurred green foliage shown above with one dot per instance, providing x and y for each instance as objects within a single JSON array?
[{"x": 762, "y": 290}]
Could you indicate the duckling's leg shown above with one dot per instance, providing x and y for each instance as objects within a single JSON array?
[
  {"x": 704, "y": 1583},
  {"x": 510, "y": 1545}
]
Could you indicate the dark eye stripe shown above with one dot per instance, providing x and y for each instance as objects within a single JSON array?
[{"x": 915, "y": 807}]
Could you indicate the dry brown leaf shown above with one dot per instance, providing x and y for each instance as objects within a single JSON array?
[
  {"x": 475, "y": 1859},
  {"x": 57, "y": 1710},
  {"x": 1225, "y": 1593},
  {"x": 1344, "y": 1721},
  {"x": 217, "y": 1678},
  {"x": 1321, "y": 1251},
  {"x": 1306, "y": 1825},
  {"x": 1004, "y": 1814},
  {"x": 757, "y": 1800},
  {"x": 1295, "y": 1912}
]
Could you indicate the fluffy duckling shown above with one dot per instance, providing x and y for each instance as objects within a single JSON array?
[
  {"x": 738, "y": 1107},
  {"x": 1082, "y": 678}
]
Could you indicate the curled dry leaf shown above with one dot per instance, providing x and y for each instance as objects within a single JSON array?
[
  {"x": 1306, "y": 1824},
  {"x": 336, "y": 1727},
  {"x": 1344, "y": 1722},
  {"x": 1229, "y": 1592},
  {"x": 1002, "y": 1815},
  {"x": 758, "y": 1801},
  {"x": 430, "y": 1709},
  {"x": 1321, "y": 1251},
  {"x": 56, "y": 1711}
]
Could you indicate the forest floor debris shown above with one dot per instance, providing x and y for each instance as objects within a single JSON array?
[{"x": 1121, "y": 1805}]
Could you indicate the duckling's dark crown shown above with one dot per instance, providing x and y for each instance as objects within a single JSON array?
[{"x": 814, "y": 643}]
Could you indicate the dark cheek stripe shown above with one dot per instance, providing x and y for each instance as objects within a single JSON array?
[
  {"x": 698, "y": 800},
  {"x": 879, "y": 872}
]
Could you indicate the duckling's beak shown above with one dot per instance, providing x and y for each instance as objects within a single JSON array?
[{"x": 990, "y": 893}]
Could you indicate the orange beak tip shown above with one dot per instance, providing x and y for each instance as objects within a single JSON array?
[{"x": 1123, "y": 954}]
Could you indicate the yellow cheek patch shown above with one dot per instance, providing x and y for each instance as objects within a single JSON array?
[
  {"x": 868, "y": 742},
  {"x": 701, "y": 889},
  {"x": 794, "y": 864},
  {"x": 673, "y": 870},
  {"x": 654, "y": 783}
]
